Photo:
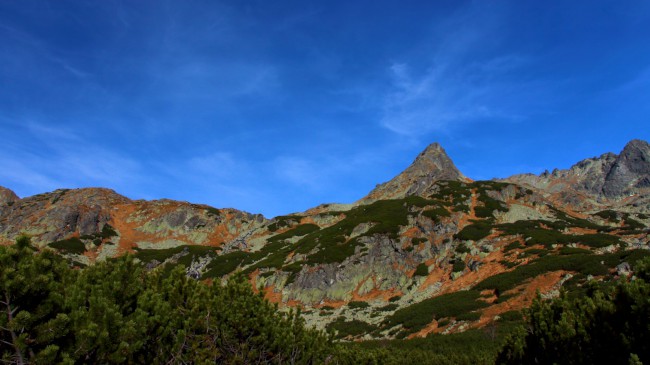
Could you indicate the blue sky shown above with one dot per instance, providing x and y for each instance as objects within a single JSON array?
[{"x": 276, "y": 106}]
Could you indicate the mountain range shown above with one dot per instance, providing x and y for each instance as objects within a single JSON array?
[{"x": 430, "y": 251}]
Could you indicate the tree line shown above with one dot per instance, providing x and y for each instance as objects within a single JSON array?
[{"x": 119, "y": 312}]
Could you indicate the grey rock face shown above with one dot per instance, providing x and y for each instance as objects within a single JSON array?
[
  {"x": 432, "y": 165},
  {"x": 631, "y": 168},
  {"x": 609, "y": 176}
]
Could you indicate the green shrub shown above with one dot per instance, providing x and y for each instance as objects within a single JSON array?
[
  {"x": 608, "y": 325},
  {"x": 459, "y": 265},
  {"x": 536, "y": 251},
  {"x": 358, "y": 305},
  {"x": 386, "y": 217},
  {"x": 633, "y": 224},
  {"x": 108, "y": 231},
  {"x": 225, "y": 264},
  {"x": 421, "y": 270},
  {"x": 300, "y": 230},
  {"x": 436, "y": 213},
  {"x": 574, "y": 251},
  {"x": 608, "y": 214},
  {"x": 388, "y": 307},
  {"x": 586, "y": 264},
  {"x": 349, "y": 328},
  {"x": 417, "y": 241},
  {"x": 294, "y": 267},
  {"x": 70, "y": 246},
  {"x": 214, "y": 212},
  {"x": 511, "y": 316},
  {"x": 469, "y": 316},
  {"x": 512, "y": 246},
  {"x": 462, "y": 248},
  {"x": 416, "y": 316},
  {"x": 474, "y": 232}
]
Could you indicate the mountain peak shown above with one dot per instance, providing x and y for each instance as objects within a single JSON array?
[
  {"x": 431, "y": 165},
  {"x": 434, "y": 160}
]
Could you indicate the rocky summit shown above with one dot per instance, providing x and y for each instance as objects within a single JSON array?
[
  {"x": 429, "y": 251},
  {"x": 621, "y": 181}
]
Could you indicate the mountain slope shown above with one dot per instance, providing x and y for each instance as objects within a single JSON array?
[{"x": 428, "y": 252}]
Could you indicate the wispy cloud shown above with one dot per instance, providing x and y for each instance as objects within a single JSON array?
[
  {"x": 438, "y": 99},
  {"x": 457, "y": 85}
]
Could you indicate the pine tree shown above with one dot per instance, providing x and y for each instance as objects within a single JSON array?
[
  {"x": 608, "y": 325},
  {"x": 33, "y": 326}
]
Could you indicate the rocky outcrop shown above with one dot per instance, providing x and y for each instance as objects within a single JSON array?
[
  {"x": 110, "y": 224},
  {"x": 597, "y": 181},
  {"x": 432, "y": 165},
  {"x": 630, "y": 172},
  {"x": 7, "y": 197}
]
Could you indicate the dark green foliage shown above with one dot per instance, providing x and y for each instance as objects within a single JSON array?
[
  {"x": 358, "y": 305},
  {"x": 97, "y": 238},
  {"x": 345, "y": 328},
  {"x": 394, "y": 299},
  {"x": 71, "y": 245},
  {"x": 387, "y": 216},
  {"x": 490, "y": 205},
  {"x": 300, "y": 230},
  {"x": 534, "y": 234},
  {"x": 225, "y": 264},
  {"x": 586, "y": 264},
  {"x": 417, "y": 241},
  {"x": 436, "y": 213},
  {"x": 190, "y": 252},
  {"x": 511, "y": 316},
  {"x": 116, "y": 312},
  {"x": 33, "y": 324},
  {"x": 214, "y": 212},
  {"x": 108, "y": 232},
  {"x": 421, "y": 270},
  {"x": 574, "y": 251},
  {"x": 416, "y": 316},
  {"x": 633, "y": 224},
  {"x": 459, "y": 265},
  {"x": 505, "y": 297},
  {"x": 598, "y": 240},
  {"x": 512, "y": 246},
  {"x": 389, "y": 307},
  {"x": 608, "y": 214},
  {"x": 474, "y": 232},
  {"x": 462, "y": 248},
  {"x": 294, "y": 267},
  {"x": 536, "y": 251},
  {"x": 461, "y": 207},
  {"x": 508, "y": 264},
  {"x": 472, "y": 347},
  {"x": 606, "y": 326},
  {"x": 469, "y": 316}
]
